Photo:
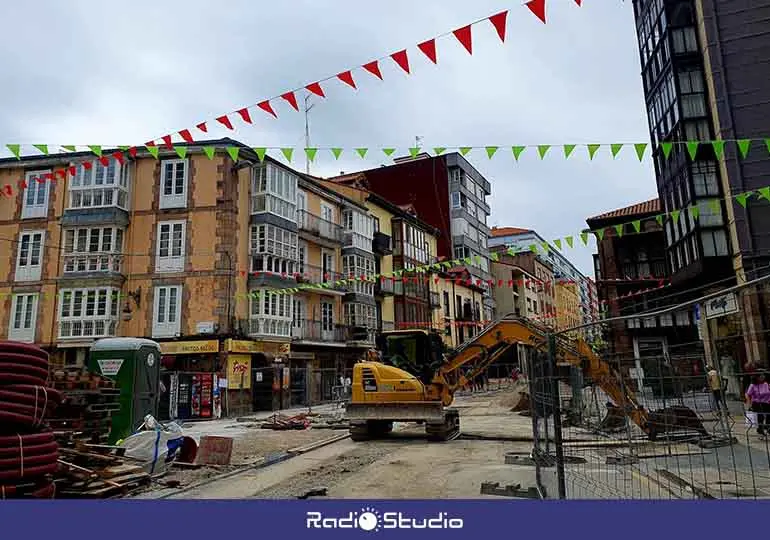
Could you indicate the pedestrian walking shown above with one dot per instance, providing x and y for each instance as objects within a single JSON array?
[
  {"x": 758, "y": 401},
  {"x": 715, "y": 385}
]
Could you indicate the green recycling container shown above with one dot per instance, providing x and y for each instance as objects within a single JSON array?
[{"x": 134, "y": 365}]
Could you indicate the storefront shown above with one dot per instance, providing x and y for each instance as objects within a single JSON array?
[
  {"x": 258, "y": 376},
  {"x": 190, "y": 380}
]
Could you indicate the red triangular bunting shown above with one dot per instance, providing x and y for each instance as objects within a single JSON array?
[
  {"x": 9, "y": 189},
  {"x": 292, "y": 99},
  {"x": 538, "y": 8},
  {"x": 373, "y": 67},
  {"x": 40, "y": 179},
  {"x": 498, "y": 21},
  {"x": 87, "y": 165},
  {"x": 402, "y": 59},
  {"x": 167, "y": 142},
  {"x": 463, "y": 35},
  {"x": 132, "y": 151},
  {"x": 428, "y": 48},
  {"x": 73, "y": 170},
  {"x": 61, "y": 173},
  {"x": 23, "y": 184},
  {"x": 244, "y": 114},
  {"x": 104, "y": 160},
  {"x": 118, "y": 156},
  {"x": 579, "y": 2},
  {"x": 186, "y": 135},
  {"x": 150, "y": 143},
  {"x": 225, "y": 121},
  {"x": 347, "y": 78},
  {"x": 203, "y": 127},
  {"x": 265, "y": 106},
  {"x": 316, "y": 89}
]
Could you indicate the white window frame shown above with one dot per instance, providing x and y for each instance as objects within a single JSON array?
[
  {"x": 271, "y": 314},
  {"x": 90, "y": 188},
  {"x": 173, "y": 200},
  {"x": 170, "y": 262},
  {"x": 74, "y": 325},
  {"x": 332, "y": 269},
  {"x": 35, "y": 209},
  {"x": 85, "y": 260},
  {"x": 163, "y": 327},
  {"x": 22, "y": 322},
  {"x": 25, "y": 270},
  {"x": 327, "y": 320}
]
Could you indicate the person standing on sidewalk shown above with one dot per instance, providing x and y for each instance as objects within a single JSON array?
[
  {"x": 758, "y": 400},
  {"x": 715, "y": 385}
]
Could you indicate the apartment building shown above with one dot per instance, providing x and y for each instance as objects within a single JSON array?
[
  {"x": 525, "y": 286},
  {"x": 188, "y": 250},
  {"x": 704, "y": 79},
  {"x": 449, "y": 194},
  {"x": 459, "y": 300}
]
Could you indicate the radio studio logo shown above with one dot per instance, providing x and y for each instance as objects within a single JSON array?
[{"x": 370, "y": 520}]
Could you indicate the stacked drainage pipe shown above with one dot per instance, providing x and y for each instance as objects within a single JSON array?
[{"x": 28, "y": 450}]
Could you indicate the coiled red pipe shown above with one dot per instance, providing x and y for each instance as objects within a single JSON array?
[{"x": 28, "y": 451}]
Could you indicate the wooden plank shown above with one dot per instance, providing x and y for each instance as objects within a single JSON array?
[{"x": 119, "y": 470}]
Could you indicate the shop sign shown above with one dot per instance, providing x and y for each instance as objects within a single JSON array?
[
  {"x": 238, "y": 371},
  {"x": 722, "y": 306},
  {"x": 253, "y": 347},
  {"x": 189, "y": 347}
]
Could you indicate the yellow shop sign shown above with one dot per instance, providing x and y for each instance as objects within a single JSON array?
[{"x": 189, "y": 347}]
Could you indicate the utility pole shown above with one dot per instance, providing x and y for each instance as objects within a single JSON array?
[{"x": 308, "y": 107}]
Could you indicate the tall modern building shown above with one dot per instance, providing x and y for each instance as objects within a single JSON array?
[
  {"x": 449, "y": 194},
  {"x": 705, "y": 77}
]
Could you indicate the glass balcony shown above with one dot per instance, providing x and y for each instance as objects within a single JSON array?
[{"x": 318, "y": 226}]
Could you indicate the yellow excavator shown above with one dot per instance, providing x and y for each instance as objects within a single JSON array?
[{"x": 408, "y": 378}]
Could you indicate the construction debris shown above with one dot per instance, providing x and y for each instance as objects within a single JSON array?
[
  {"x": 88, "y": 402},
  {"x": 97, "y": 472},
  {"x": 493, "y": 488},
  {"x": 282, "y": 422}
]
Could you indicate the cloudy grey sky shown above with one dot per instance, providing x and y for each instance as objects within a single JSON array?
[{"x": 115, "y": 73}]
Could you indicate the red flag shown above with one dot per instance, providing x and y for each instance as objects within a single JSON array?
[
  {"x": 87, "y": 165},
  {"x": 244, "y": 114},
  {"x": 402, "y": 59},
  {"x": 316, "y": 89},
  {"x": 167, "y": 141},
  {"x": 150, "y": 143},
  {"x": 347, "y": 78},
  {"x": 538, "y": 8},
  {"x": 463, "y": 35},
  {"x": 437, "y": 280},
  {"x": 265, "y": 106},
  {"x": 23, "y": 184},
  {"x": 73, "y": 170},
  {"x": 118, "y": 156},
  {"x": 225, "y": 121},
  {"x": 61, "y": 173},
  {"x": 8, "y": 189},
  {"x": 202, "y": 126},
  {"x": 428, "y": 48},
  {"x": 132, "y": 151},
  {"x": 186, "y": 135},
  {"x": 373, "y": 67},
  {"x": 498, "y": 21},
  {"x": 292, "y": 99},
  {"x": 499, "y": 282},
  {"x": 579, "y": 2},
  {"x": 104, "y": 160}
]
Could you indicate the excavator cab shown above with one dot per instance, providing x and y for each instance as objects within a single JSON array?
[{"x": 417, "y": 352}]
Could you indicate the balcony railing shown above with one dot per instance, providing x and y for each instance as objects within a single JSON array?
[
  {"x": 318, "y": 226},
  {"x": 88, "y": 328},
  {"x": 75, "y": 263},
  {"x": 316, "y": 331},
  {"x": 381, "y": 244},
  {"x": 316, "y": 274},
  {"x": 384, "y": 287},
  {"x": 644, "y": 270},
  {"x": 386, "y": 326}
]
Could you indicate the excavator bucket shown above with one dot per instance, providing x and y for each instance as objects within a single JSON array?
[{"x": 672, "y": 419}]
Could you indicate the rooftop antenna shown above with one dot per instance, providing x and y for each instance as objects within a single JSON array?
[
  {"x": 417, "y": 141},
  {"x": 308, "y": 107}
]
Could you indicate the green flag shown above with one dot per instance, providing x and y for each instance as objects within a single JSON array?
[
  {"x": 511, "y": 251},
  {"x": 743, "y": 197},
  {"x": 70, "y": 148},
  {"x": 715, "y": 205},
  {"x": 557, "y": 243},
  {"x": 619, "y": 230},
  {"x": 494, "y": 257},
  {"x": 336, "y": 152},
  {"x": 517, "y": 150},
  {"x": 542, "y": 149},
  {"x": 96, "y": 149},
  {"x": 675, "y": 215},
  {"x": 692, "y": 149},
  {"x": 15, "y": 150},
  {"x": 181, "y": 151},
  {"x": 261, "y": 152},
  {"x": 599, "y": 234},
  {"x": 659, "y": 219},
  {"x": 439, "y": 150},
  {"x": 287, "y": 153},
  {"x": 153, "y": 150},
  {"x": 592, "y": 149},
  {"x": 667, "y": 147},
  {"x": 310, "y": 153},
  {"x": 546, "y": 247},
  {"x": 568, "y": 149},
  {"x": 764, "y": 192},
  {"x": 414, "y": 151},
  {"x": 491, "y": 151},
  {"x": 569, "y": 241},
  {"x": 614, "y": 149},
  {"x": 637, "y": 226},
  {"x": 695, "y": 211},
  {"x": 744, "y": 145},
  {"x": 719, "y": 148},
  {"x": 42, "y": 147},
  {"x": 584, "y": 237},
  {"x": 533, "y": 248},
  {"x": 362, "y": 152},
  {"x": 465, "y": 149},
  {"x": 233, "y": 151},
  {"x": 209, "y": 151},
  {"x": 388, "y": 151},
  {"x": 640, "y": 149}
]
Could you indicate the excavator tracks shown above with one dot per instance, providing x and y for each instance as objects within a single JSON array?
[{"x": 448, "y": 430}]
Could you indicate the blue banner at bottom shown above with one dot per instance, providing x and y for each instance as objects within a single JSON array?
[{"x": 209, "y": 519}]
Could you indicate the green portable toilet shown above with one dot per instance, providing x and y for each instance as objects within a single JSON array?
[{"x": 134, "y": 365}]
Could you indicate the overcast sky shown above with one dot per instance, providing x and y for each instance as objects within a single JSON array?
[{"x": 121, "y": 73}]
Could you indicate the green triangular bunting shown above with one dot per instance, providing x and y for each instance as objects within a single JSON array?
[
  {"x": 592, "y": 149},
  {"x": 546, "y": 247},
  {"x": 640, "y": 149},
  {"x": 692, "y": 149},
  {"x": 568, "y": 149},
  {"x": 599, "y": 234},
  {"x": 557, "y": 243},
  {"x": 494, "y": 257},
  {"x": 181, "y": 151},
  {"x": 261, "y": 152},
  {"x": 637, "y": 226},
  {"x": 533, "y": 248},
  {"x": 764, "y": 192},
  {"x": 70, "y": 148},
  {"x": 584, "y": 237},
  {"x": 15, "y": 149},
  {"x": 209, "y": 151},
  {"x": 439, "y": 150},
  {"x": 667, "y": 147},
  {"x": 695, "y": 211},
  {"x": 465, "y": 149},
  {"x": 311, "y": 153},
  {"x": 675, "y": 215},
  {"x": 153, "y": 150},
  {"x": 615, "y": 148},
  {"x": 542, "y": 149},
  {"x": 96, "y": 149},
  {"x": 569, "y": 241},
  {"x": 388, "y": 151},
  {"x": 362, "y": 152},
  {"x": 491, "y": 151},
  {"x": 288, "y": 153},
  {"x": 659, "y": 219},
  {"x": 42, "y": 147},
  {"x": 414, "y": 151},
  {"x": 742, "y": 198},
  {"x": 719, "y": 148},
  {"x": 233, "y": 151},
  {"x": 619, "y": 230},
  {"x": 517, "y": 150},
  {"x": 744, "y": 145},
  {"x": 336, "y": 152}
]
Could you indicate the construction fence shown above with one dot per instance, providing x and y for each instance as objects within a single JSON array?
[{"x": 652, "y": 425}]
